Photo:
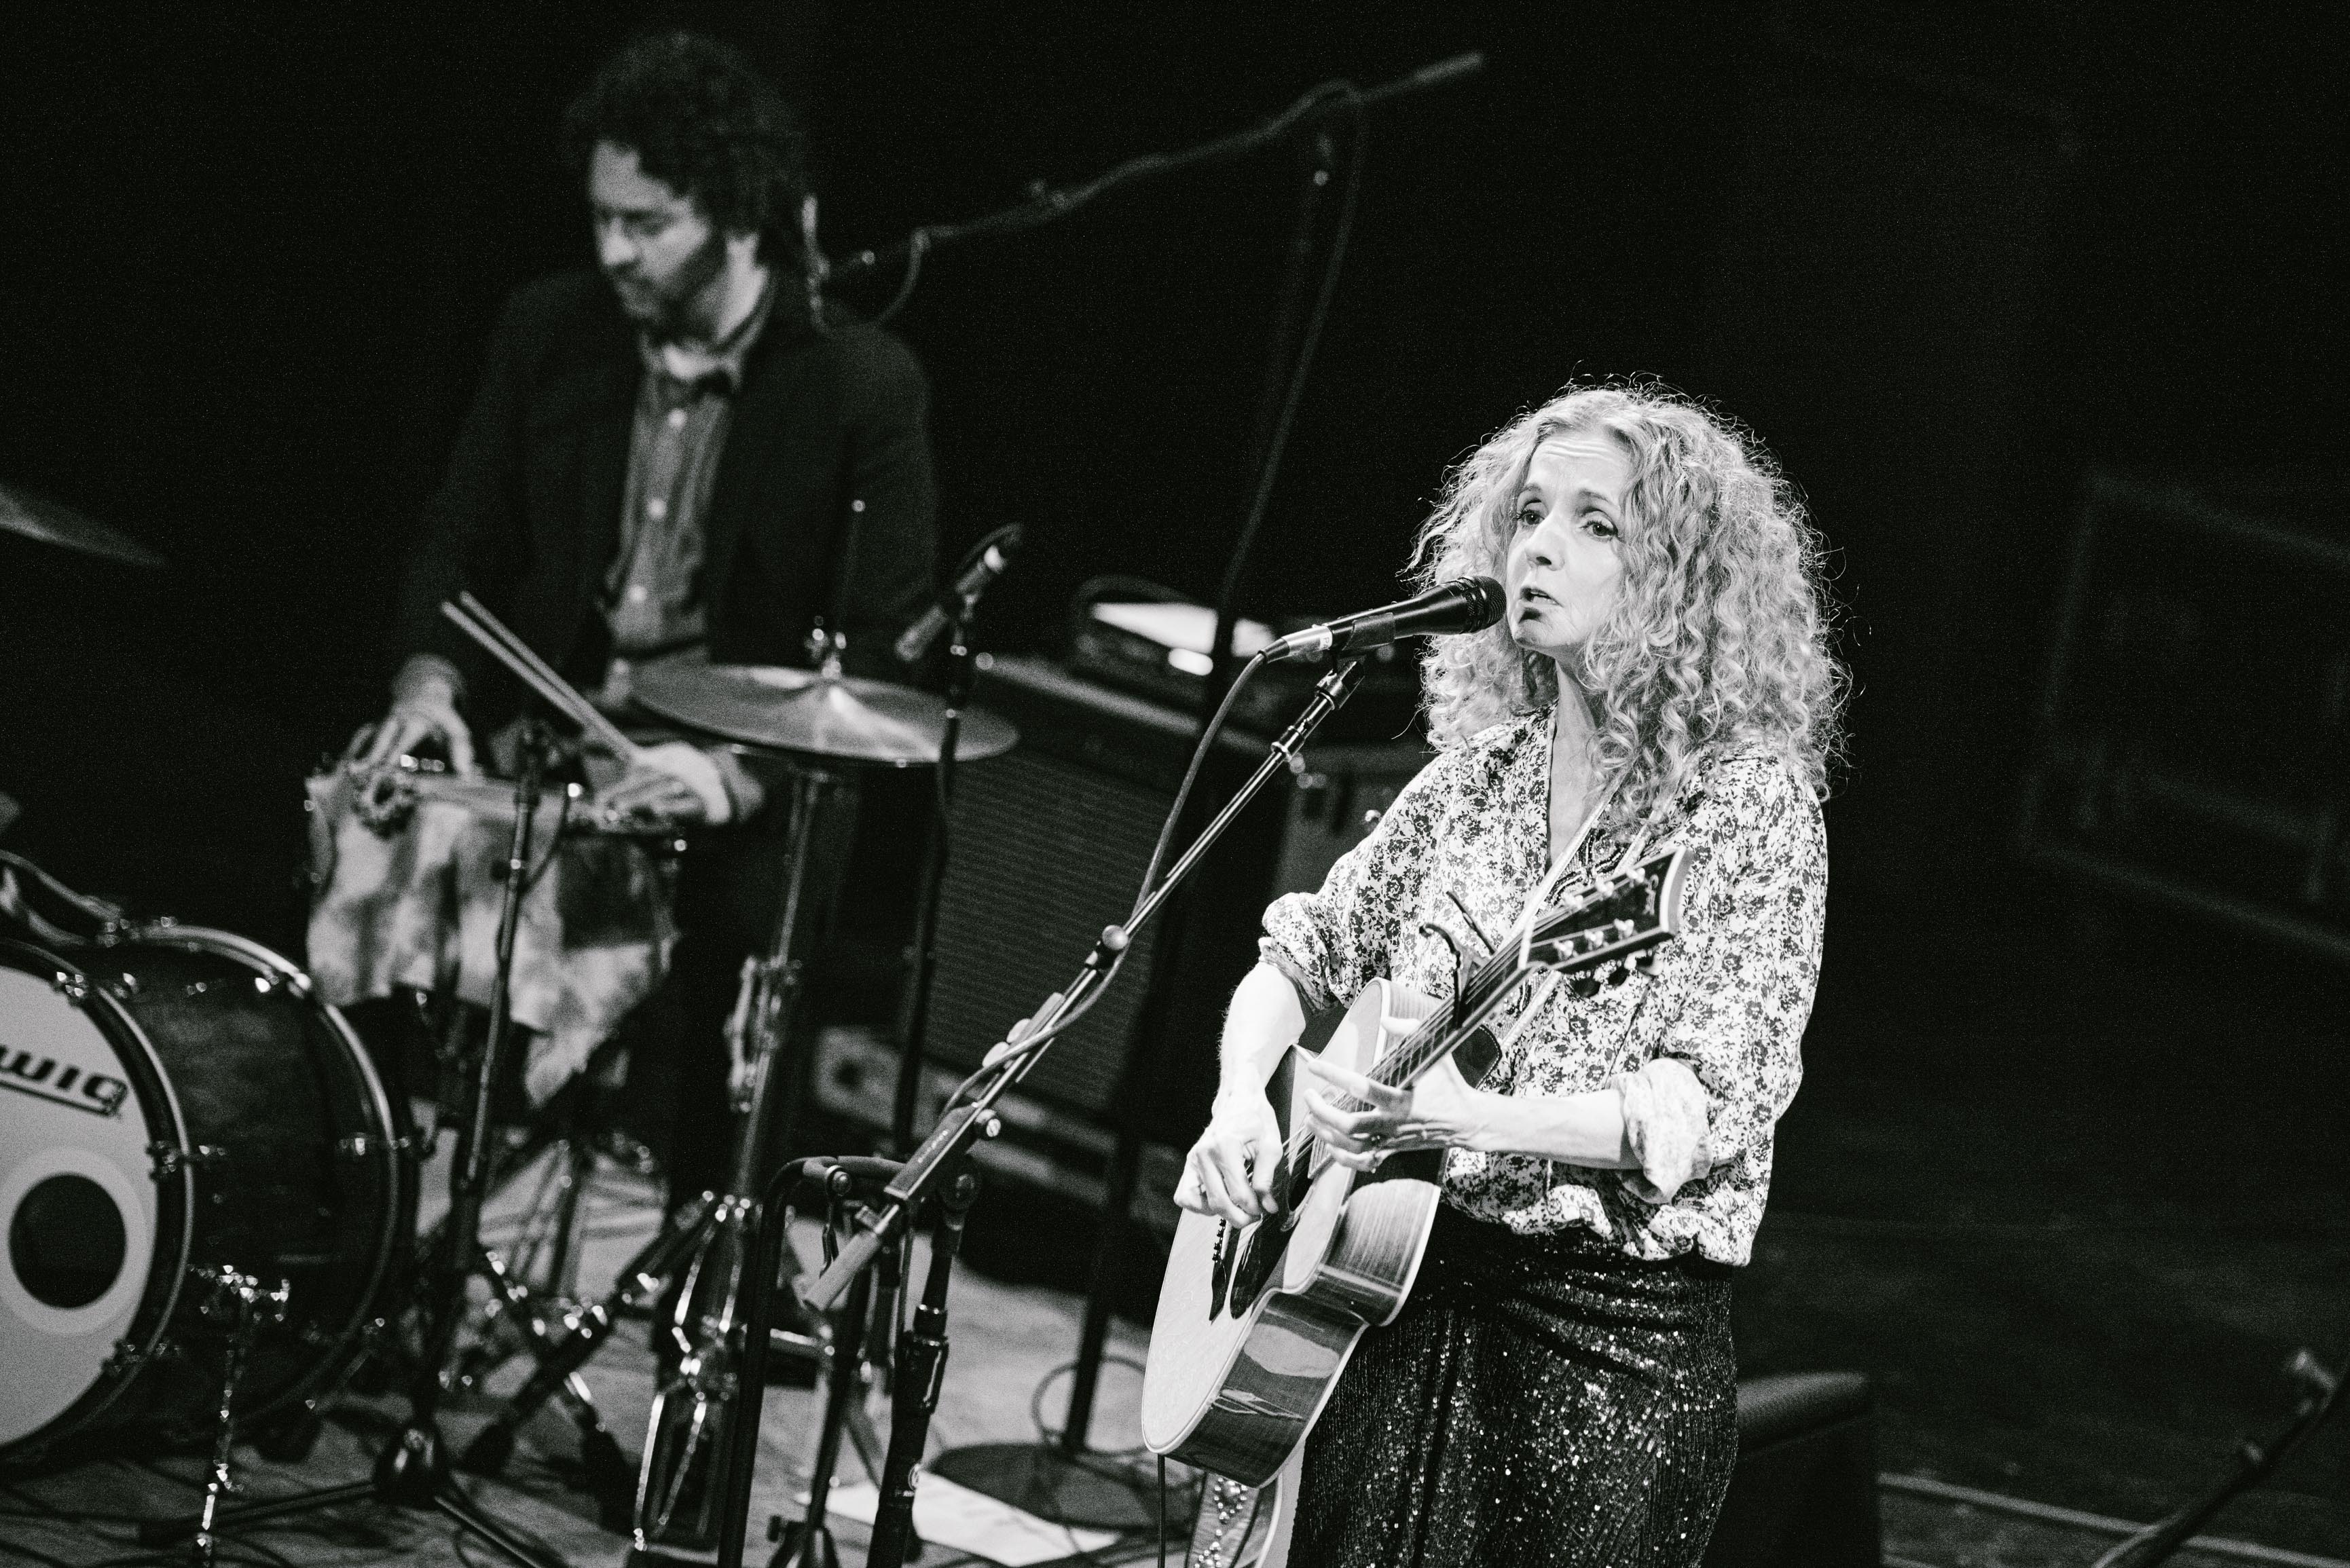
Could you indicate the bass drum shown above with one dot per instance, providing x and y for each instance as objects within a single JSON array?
[{"x": 169, "y": 1103}]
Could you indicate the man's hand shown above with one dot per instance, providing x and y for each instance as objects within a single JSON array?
[
  {"x": 673, "y": 781},
  {"x": 424, "y": 709},
  {"x": 1230, "y": 1172}
]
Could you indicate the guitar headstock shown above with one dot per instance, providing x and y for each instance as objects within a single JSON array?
[{"x": 1610, "y": 930}]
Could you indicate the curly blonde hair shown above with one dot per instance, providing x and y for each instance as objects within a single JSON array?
[{"x": 1719, "y": 637}]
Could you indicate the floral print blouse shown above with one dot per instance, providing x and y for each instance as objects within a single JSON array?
[{"x": 1706, "y": 1051}]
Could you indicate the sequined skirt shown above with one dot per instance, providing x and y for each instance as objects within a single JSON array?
[{"x": 1539, "y": 1400}]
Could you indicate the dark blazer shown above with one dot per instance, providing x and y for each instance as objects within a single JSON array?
[{"x": 528, "y": 515}]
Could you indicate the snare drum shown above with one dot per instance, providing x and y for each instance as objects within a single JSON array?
[{"x": 172, "y": 1102}]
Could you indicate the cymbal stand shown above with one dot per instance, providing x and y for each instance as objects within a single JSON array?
[
  {"x": 693, "y": 1405},
  {"x": 411, "y": 1472},
  {"x": 241, "y": 1295}
]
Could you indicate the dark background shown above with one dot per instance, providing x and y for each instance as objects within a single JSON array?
[{"x": 1946, "y": 260}]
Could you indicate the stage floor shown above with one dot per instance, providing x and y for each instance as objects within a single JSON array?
[{"x": 1008, "y": 1341}]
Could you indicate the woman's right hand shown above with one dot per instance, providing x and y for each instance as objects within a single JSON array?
[{"x": 1229, "y": 1172}]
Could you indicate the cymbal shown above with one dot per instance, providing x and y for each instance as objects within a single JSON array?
[
  {"x": 38, "y": 518},
  {"x": 838, "y": 717}
]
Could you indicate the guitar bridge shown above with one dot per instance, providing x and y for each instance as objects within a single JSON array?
[{"x": 1220, "y": 1273}]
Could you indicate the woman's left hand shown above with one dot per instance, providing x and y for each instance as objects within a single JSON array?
[{"x": 1440, "y": 1111}]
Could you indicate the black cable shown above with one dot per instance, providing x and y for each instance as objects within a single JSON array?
[
  {"x": 1163, "y": 1510},
  {"x": 917, "y": 243},
  {"x": 1277, "y": 439},
  {"x": 1190, "y": 777},
  {"x": 554, "y": 847},
  {"x": 1050, "y": 1436}
]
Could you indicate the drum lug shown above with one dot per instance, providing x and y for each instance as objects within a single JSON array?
[
  {"x": 362, "y": 1146},
  {"x": 170, "y": 1159}
]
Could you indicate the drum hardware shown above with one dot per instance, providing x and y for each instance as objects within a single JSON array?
[
  {"x": 168, "y": 1160},
  {"x": 817, "y": 719},
  {"x": 696, "y": 1397},
  {"x": 152, "y": 1132},
  {"x": 412, "y": 1471},
  {"x": 560, "y": 1356},
  {"x": 239, "y": 1297},
  {"x": 534, "y": 1278}
]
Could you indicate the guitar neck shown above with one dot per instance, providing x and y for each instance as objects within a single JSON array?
[{"x": 1433, "y": 1041}]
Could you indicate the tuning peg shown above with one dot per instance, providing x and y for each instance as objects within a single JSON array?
[{"x": 1619, "y": 973}]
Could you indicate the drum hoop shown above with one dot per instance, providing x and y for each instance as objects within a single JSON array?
[
  {"x": 144, "y": 1067},
  {"x": 385, "y": 1146}
]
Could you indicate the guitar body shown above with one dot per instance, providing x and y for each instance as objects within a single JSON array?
[{"x": 1255, "y": 1323}]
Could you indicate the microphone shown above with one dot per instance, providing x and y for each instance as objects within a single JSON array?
[
  {"x": 959, "y": 600},
  {"x": 1464, "y": 603}
]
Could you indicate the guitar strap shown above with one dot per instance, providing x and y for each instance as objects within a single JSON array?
[{"x": 1537, "y": 896}]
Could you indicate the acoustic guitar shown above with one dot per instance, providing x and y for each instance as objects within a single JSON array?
[{"x": 1255, "y": 1321}]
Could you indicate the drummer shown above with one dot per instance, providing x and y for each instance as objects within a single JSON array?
[{"x": 681, "y": 454}]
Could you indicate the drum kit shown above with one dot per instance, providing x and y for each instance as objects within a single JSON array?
[{"x": 210, "y": 1199}]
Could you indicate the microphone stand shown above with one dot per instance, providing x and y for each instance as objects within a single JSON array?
[
  {"x": 1045, "y": 203},
  {"x": 939, "y": 1169},
  {"x": 917, "y": 1023}
]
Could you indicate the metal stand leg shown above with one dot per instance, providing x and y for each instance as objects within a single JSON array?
[
  {"x": 921, "y": 1371},
  {"x": 809, "y": 1543},
  {"x": 695, "y": 1405},
  {"x": 243, "y": 1295},
  {"x": 641, "y": 1281},
  {"x": 739, "y": 1448}
]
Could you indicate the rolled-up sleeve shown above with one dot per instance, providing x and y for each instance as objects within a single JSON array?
[
  {"x": 1747, "y": 963},
  {"x": 1333, "y": 942}
]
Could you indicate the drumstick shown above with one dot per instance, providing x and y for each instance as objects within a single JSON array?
[{"x": 475, "y": 621}]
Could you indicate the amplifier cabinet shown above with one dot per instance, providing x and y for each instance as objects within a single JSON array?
[
  {"x": 1050, "y": 843},
  {"x": 2194, "y": 745}
]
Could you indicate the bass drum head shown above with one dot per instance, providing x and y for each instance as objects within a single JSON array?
[{"x": 93, "y": 1243}]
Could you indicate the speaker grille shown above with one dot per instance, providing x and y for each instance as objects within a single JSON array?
[{"x": 1045, "y": 855}]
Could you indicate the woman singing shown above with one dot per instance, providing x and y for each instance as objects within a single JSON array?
[{"x": 1560, "y": 1387}]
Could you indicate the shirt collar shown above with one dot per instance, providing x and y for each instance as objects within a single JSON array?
[{"x": 720, "y": 362}]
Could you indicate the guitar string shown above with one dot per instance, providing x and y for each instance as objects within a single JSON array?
[{"x": 1488, "y": 986}]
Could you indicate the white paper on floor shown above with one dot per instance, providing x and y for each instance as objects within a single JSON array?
[{"x": 972, "y": 1521}]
